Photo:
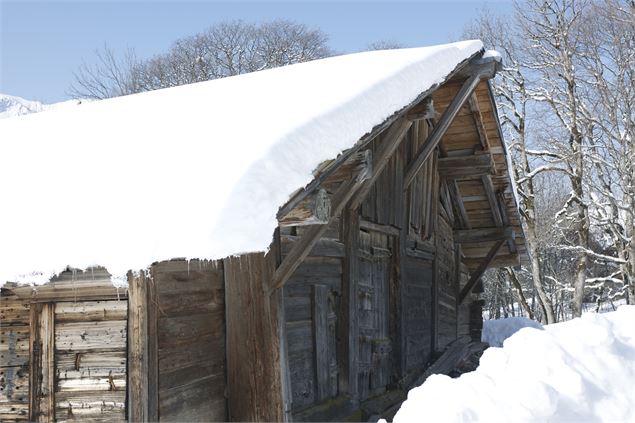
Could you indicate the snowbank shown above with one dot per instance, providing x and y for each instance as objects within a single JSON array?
[
  {"x": 581, "y": 370},
  {"x": 12, "y": 106},
  {"x": 197, "y": 171},
  {"x": 497, "y": 330}
]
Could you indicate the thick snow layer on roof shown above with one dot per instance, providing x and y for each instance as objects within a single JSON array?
[
  {"x": 193, "y": 171},
  {"x": 578, "y": 371}
]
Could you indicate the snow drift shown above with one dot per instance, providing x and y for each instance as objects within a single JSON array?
[
  {"x": 495, "y": 331},
  {"x": 578, "y": 371},
  {"x": 192, "y": 171}
]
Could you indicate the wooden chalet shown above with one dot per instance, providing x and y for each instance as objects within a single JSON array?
[{"x": 373, "y": 272}]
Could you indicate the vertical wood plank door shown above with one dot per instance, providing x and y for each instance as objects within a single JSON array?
[
  {"x": 373, "y": 307},
  {"x": 90, "y": 361}
]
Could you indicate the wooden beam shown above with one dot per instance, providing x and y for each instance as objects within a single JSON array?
[
  {"x": 138, "y": 371},
  {"x": 377, "y": 227},
  {"x": 302, "y": 248},
  {"x": 466, "y": 166},
  {"x": 493, "y": 201},
  {"x": 391, "y": 141},
  {"x": 422, "y": 111},
  {"x": 42, "y": 361},
  {"x": 457, "y": 197},
  {"x": 313, "y": 209},
  {"x": 358, "y": 165},
  {"x": 482, "y": 234},
  {"x": 479, "y": 121},
  {"x": 348, "y": 345},
  {"x": 507, "y": 260},
  {"x": 478, "y": 273},
  {"x": 442, "y": 126},
  {"x": 320, "y": 341},
  {"x": 502, "y": 203}
]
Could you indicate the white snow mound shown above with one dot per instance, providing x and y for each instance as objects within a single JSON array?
[
  {"x": 495, "y": 331},
  {"x": 197, "y": 171},
  {"x": 12, "y": 106},
  {"x": 578, "y": 371}
]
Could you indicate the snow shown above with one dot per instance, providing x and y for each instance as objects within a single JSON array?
[
  {"x": 576, "y": 371},
  {"x": 497, "y": 331},
  {"x": 197, "y": 171},
  {"x": 12, "y": 106}
]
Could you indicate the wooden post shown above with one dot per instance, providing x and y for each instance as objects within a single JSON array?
[
  {"x": 349, "y": 330},
  {"x": 320, "y": 340},
  {"x": 255, "y": 378},
  {"x": 42, "y": 359},
  {"x": 138, "y": 368}
]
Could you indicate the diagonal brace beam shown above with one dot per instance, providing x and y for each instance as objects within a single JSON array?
[
  {"x": 444, "y": 123},
  {"x": 302, "y": 248},
  {"x": 479, "y": 272}
]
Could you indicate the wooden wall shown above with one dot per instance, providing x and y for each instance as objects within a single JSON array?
[
  {"x": 63, "y": 349},
  {"x": 14, "y": 357},
  {"x": 311, "y": 309}
]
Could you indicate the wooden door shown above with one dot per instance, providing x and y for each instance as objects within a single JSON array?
[{"x": 373, "y": 308}]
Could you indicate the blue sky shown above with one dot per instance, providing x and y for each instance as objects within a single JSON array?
[{"x": 43, "y": 42}]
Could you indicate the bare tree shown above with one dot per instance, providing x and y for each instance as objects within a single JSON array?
[
  {"x": 110, "y": 76},
  {"x": 385, "y": 45},
  {"x": 225, "y": 49},
  {"x": 511, "y": 89}
]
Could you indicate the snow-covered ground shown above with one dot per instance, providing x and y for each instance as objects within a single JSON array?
[
  {"x": 582, "y": 370},
  {"x": 12, "y": 106},
  {"x": 497, "y": 331}
]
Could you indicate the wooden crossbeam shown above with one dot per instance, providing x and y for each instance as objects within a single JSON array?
[
  {"x": 442, "y": 126},
  {"x": 478, "y": 273},
  {"x": 506, "y": 260},
  {"x": 466, "y": 166},
  {"x": 482, "y": 234}
]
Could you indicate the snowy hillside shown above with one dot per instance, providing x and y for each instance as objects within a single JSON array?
[
  {"x": 580, "y": 370},
  {"x": 11, "y": 106}
]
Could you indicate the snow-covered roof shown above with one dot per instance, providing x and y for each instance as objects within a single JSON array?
[{"x": 192, "y": 171}]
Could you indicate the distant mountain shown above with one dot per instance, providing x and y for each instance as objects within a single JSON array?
[{"x": 11, "y": 106}]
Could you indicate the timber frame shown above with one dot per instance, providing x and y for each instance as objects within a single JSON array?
[
  {"x": 471, "y": 172},
  {"x": 369, "y": 285}
]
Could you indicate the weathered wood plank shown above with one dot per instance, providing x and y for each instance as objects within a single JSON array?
[
  {"x": 42, "y": 356},
  {"x": 90, "y": 311},
  {"x": 253, "y": 349},
  {"x": 92, "y": 335},
  {"x": 138, "y": 348},
  {"x": 320, "y": 331}
]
